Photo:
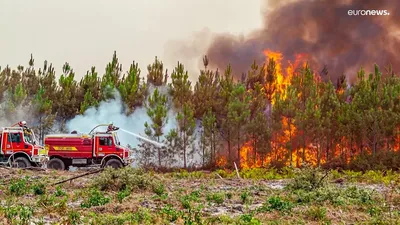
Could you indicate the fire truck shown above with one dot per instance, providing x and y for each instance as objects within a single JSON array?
[
  {"x": 19, "y": 147},
  {"x": 81, "y": 150}
]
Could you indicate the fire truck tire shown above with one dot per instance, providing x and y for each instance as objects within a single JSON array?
[
  {"x": 114, "y": 163},
  {"x": 56, "y": 164},
  {"x": 21, "y": 162}
]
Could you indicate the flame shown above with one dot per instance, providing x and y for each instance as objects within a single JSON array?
[
  {"x": 221, "y": 161},
  {"x": 249, "y": 157},
  {"x": 287, "y": 144}
]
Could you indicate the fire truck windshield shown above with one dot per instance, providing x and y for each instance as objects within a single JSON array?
[
  {"x": 28, "y": 138},
  {"x": 116, "y": 140}
]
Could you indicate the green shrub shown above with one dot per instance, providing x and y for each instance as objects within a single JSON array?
[
  {"x": 217, "y": 198},
  {"x": 59, "y": 192},
  {"x": 18, "y": 187},
  {"x": 249, "y": 219},
  {"x": 121, "y": 195},
  {"x": 39, "y": 189},
  {"x": 316, "y": 213},
  {"x": 159, "y": 189},
  {"x": 120, "y": 179},
  {"x": 245, "y": 197},
  {"x": 170, "y": 212},
  {"x": 95, "y": 198},
  {"x": 308, "y": 179},
  {"x": 74, "y": 217},
  {"x": 17, "y": 214},
  {"x": 276, "y": 203}
]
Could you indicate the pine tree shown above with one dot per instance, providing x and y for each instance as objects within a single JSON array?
[
  {"x": 155, "y": 75},
  {"x": 180, "y": 87},
  {"x": 45, "y": 117},
  {"x": 209, "y": 122},
  {"x": 111, "y": 77},
  {"x": 186, "y": 128},
  {"x": 238, "y": 114},
  {"x": 205, "y": 92},
  {"x": 89, "y": 88},
  {"x": 157, "y": 111},
  {"x": 67, "y": 94},
  {"x": 224, "y": 98},
  {"x": 133, "y": 91}
]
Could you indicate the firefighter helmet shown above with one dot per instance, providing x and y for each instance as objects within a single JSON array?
[{"x": 22, "y": 123}]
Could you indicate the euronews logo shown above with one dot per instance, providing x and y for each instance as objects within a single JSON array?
[{"x": 372, "y": 12}]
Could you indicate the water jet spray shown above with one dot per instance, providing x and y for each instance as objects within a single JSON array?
[{"x": 158, "y": 144}]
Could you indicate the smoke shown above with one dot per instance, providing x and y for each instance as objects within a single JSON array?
[
  {"x": 11, "y": 114},
  {"x": 321, "y": 29},
  {"x": 113, "y": 111}
]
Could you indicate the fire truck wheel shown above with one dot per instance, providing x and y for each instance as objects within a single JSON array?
[
  {"x": 114, "y": 163},
  {"x": 21, "y": 162},
  {"x": 56, "y": 164}
]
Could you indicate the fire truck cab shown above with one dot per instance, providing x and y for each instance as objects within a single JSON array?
[
  {"x": 80, "y": 150},
  {"x": 19, "y": 147}
]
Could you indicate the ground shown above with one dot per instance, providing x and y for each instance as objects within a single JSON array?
[{"x": 257, "y": 196}]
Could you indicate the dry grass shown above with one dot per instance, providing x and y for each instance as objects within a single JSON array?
[{"x": 137, "y": 197}]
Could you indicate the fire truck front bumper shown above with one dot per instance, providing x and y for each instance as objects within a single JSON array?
[
  {"x": 40, "y": 159},
  {"x": 128, "y": 161}
]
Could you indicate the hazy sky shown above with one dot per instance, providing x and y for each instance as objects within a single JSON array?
[{"x": 86, "y": 32}]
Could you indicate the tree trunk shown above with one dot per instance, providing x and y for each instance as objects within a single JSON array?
[
  {"x": 213, "y": 148},
  {"x": 290, "y": 141},
  {"x": 229, "y": 148},
  {"x": 159, "y": 153},
  {"x": 184, "y": 151},
  {"x": 304, "y": 146},
  {"x": 238, "y": 150}
]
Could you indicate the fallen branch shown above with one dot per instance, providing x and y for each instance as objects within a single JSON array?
[
  {"x": 322, "y": 178},
  {"x": 33, "y": 168},
  {"x": 237, "y": 171},
  {"x": 219, "y": 176},
  {"x": 82, "y": 175}
]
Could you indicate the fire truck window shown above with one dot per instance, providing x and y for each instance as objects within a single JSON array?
[
  {"x": 14, "y": 137},
  {"x": 109, "y": 141},
  {"x": 105, "y": 141},
  {"x": 102, "y": 141}
]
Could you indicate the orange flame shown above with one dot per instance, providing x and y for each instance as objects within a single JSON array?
[{"x": 249, "y": 157}]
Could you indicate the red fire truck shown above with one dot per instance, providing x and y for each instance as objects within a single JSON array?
[
  {"x": 80, "y": 150},
  {"x": 19, "y": 147}
]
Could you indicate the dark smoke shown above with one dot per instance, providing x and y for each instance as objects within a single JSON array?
[{"x": 321, "y": 29}]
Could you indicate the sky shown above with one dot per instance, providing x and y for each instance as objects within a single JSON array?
[{"x": 85, "y": 33}]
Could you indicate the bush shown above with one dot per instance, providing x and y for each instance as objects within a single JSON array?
[
  {"x": 39, "y": 189},
  {"x": 308, "y": 179},
  {"x": 217, "y": 198},
  {"x": 18, "y": 187},
  {"x": 276, "y": 203},
  {"x": 121, "y": 179},
  {"x": 121, "y": 195},
  {"x": 17, "y": 214},
  {"x": 317, "y": 213},
  {"x": 95, "y": 198}
]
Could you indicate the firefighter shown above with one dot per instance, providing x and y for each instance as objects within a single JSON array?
[{"x": 26, "y": 129}]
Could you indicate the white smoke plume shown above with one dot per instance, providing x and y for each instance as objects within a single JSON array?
[
  {"x": 19, "y": 113},
  {"x": 113, "y": 111}
]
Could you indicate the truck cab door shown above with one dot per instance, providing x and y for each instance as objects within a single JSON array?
[
  {"x": 12, "y": 142},
  {"x": 103, "y": 145}
]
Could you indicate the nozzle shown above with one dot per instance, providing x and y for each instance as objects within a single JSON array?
[{"x": 111, "y": 127}]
